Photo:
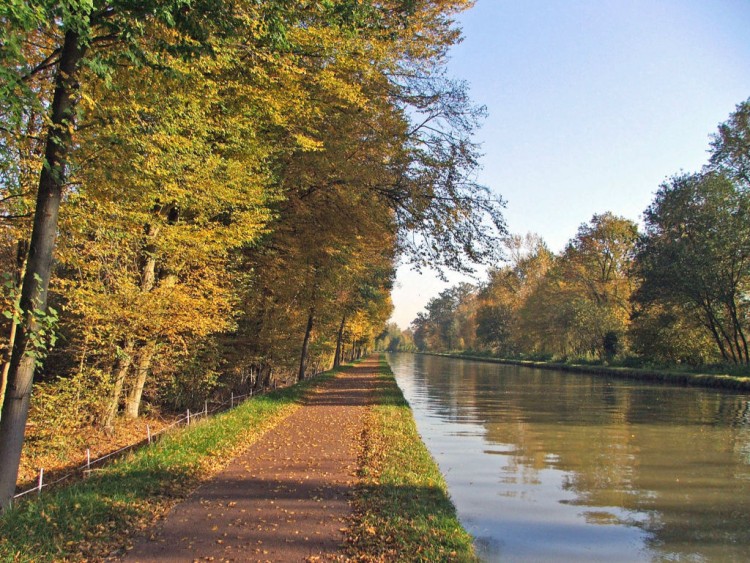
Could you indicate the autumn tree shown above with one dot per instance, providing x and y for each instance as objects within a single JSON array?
[
  {"x": 507, "y": 289},
  {"x": 230, "y": 173},
  {"x": 87, "y": 43},
  {"x": 668, "y": 333},
  {"x": 87, "y": 35},
  {"x": 394, "y": 145},
  {"x": 580, "y": 305},
  {"x": 596, "y": 273},
  {"x": 444, "y": 218},
  {"x": 448, "y": 319},
  {"x": 144, "y": 270},
  {"x": 327, "y": 258}
]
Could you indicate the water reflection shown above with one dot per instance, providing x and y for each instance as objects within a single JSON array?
[{"x": 545, "y": 465}]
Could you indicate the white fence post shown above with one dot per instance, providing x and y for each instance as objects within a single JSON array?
[
  {"x": 88, "y": 458},
  {"x": 205, "y": 408},
  {"x": 148, "y": 433},
  {"x": 41, "y": 480},
  {"x": 232, "y": 401},
  {"x": 188, "y": 417}
]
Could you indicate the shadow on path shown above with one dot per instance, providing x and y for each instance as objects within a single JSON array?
[{"x": 287, "y": 497}]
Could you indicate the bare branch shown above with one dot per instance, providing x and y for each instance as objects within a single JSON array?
[{"x": 50, "y": 61}]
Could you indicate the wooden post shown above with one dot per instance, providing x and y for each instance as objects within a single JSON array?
[
  {"x": 188, "y": 417},
  {"x": 88, "y": 458},
  {"x": 148, "y": 433},
  {"x": 41, "y": 481},
  {"x": 232, "y": 401}
]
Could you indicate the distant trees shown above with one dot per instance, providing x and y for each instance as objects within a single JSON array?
[
  {"x": 676, "y": 293},
  {"x": 448, "y": 323},
  {"x": 393, "y": 339},
  {"x": 506, "y": 291},
  {"x": 594, "y": 276},
  {"x": 576, "y": 303}
]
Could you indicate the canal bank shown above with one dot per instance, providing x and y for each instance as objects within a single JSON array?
[
  {"x": 403, "y": 511},
  {"x": 707, "y": 380}
]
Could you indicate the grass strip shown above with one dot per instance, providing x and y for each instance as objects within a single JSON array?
[
  {"x": 402, "y": 508},
  {"x": 675, "y": 377},
  {"x": 97, "y": 517}
]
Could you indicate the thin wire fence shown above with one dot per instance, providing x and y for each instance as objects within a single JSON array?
[{"x": 186, "y": 420}]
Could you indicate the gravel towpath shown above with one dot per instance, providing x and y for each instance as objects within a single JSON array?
[{"x": 287, "y": 497}]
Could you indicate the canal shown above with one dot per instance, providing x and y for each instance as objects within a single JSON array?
[{"x": 551, "y": 466}]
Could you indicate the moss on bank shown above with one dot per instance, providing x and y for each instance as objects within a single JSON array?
[
  {"x": 715, "y": 381},
  {"x": 402, "y": 508}
]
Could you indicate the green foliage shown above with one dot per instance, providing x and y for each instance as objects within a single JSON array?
[
  {"x": 696, "y": 255},
  {"x": 670, "y": 335},
  {"x": 12, "y": 294},
  {"x": 43, "y": 336},
  {"x": 731, "y": 146}
]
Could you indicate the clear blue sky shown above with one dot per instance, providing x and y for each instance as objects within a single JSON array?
[{"x": 592, "y": 104}]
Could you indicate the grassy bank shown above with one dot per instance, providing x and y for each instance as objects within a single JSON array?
[
  {"x": 402, "y": 508},
  {"x": 96, "y": 518},
  {"x": 711, "y": 380}
]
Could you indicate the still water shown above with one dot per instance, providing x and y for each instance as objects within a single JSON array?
[{"x": 552, "y": 466}]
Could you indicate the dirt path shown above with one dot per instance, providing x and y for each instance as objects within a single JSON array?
[{"x": 287, "y": 497}]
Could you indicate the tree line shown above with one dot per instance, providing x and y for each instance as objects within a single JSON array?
[
  {"x": 674, "y": 293},
  {"x": 208, "y": 196}
]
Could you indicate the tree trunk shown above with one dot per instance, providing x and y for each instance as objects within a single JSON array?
[
  {"x": 305, "y": 345},
  {"x": 264, "y": 378},
  {"x": 142, "y": 367},
  {"x": 146, "y": 353},
  {"x": 21, "y": 256},
  {"x": 36, "y": 280},
  {"x": 148, "y": 269},
  {"x": 259, "y": 378},
  {"x": 339, "y": 340},
  {"x": 739, "y": 334},
  {"x": 120, "y": 371},
  {"x": 716, "y": 330}
]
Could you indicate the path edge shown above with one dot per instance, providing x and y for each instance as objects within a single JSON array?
[{"x": 402, "y": 510}]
